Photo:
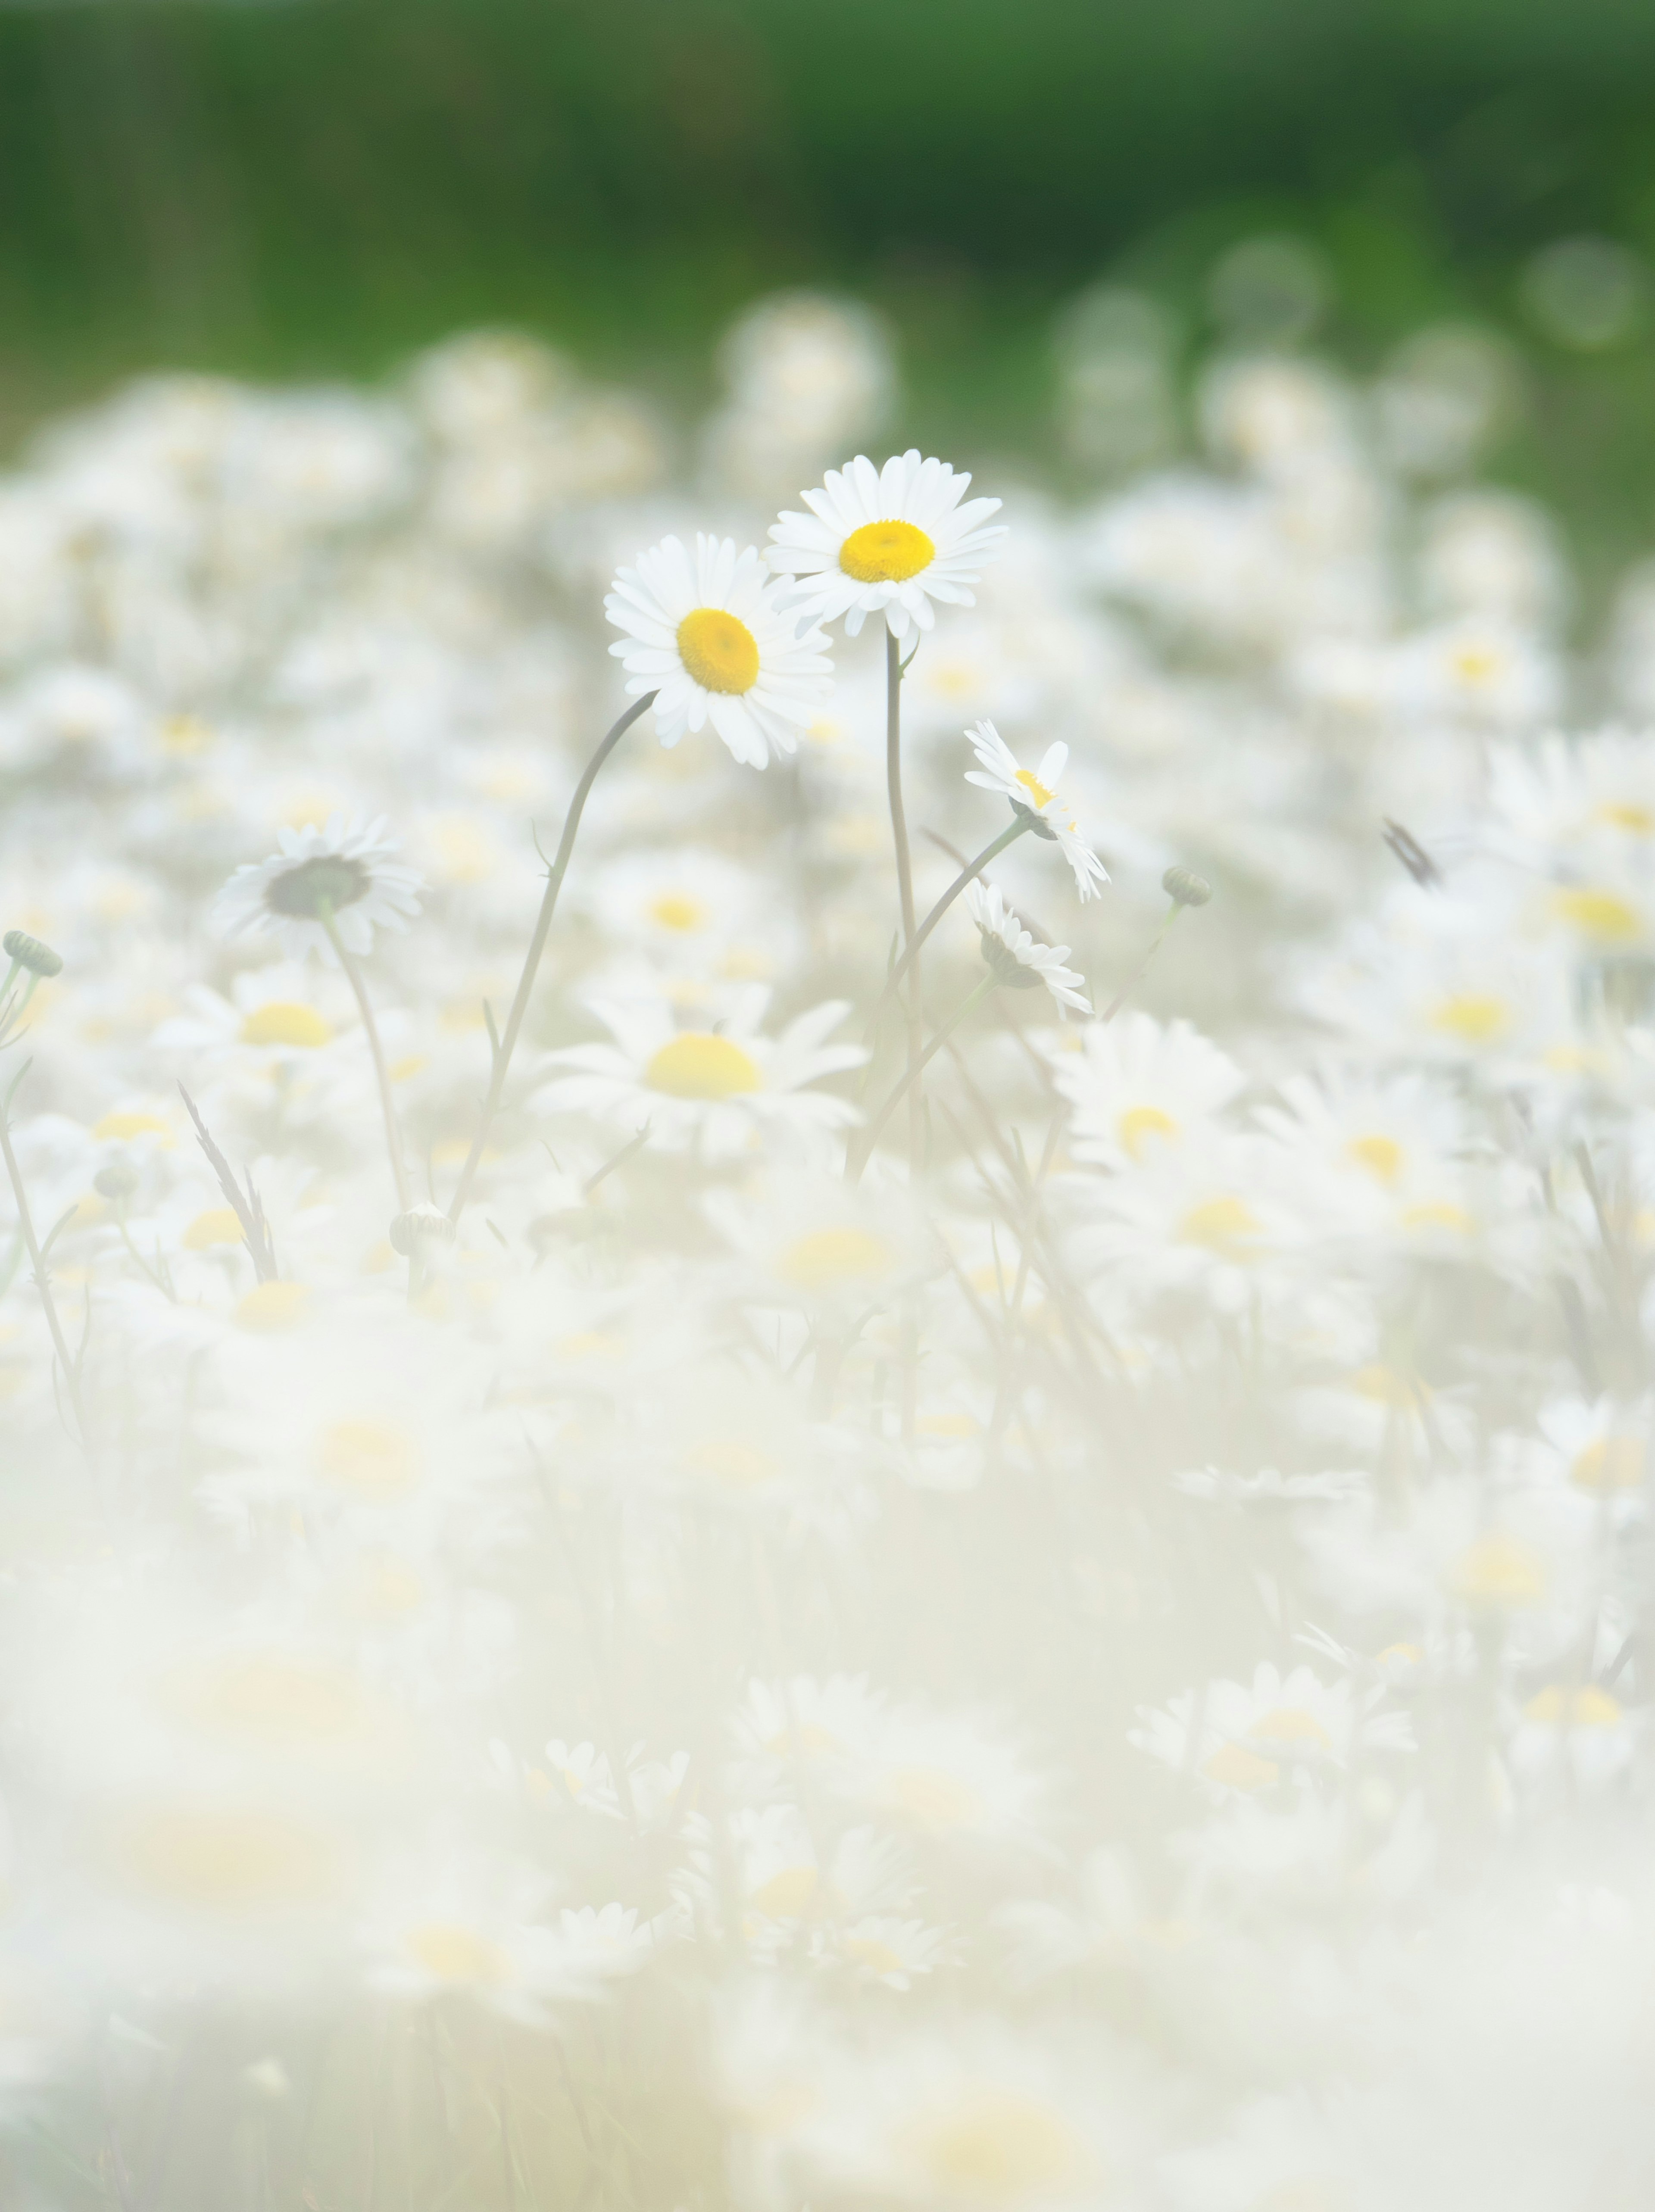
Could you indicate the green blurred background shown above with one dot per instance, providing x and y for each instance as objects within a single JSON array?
[{"x": 317, "y": 187}]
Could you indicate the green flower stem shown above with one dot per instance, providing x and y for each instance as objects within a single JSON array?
[
  {"x": 43, "y": 1283},
  {"x": 1142, "y": 967},
  {"x": 967, "y": 874},
  {"x": 555, "y": 875},
  {"x": 870, "y": 1135},
  {"x": 906, "y": 894},
  {"x": 381, "y": 1073}
]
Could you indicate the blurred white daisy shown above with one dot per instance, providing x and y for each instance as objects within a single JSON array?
[
  {"x": 1034, "y": 790},
  {"x": 718, "y": 1090},
  {"x": 708, "y": 636},
  {"x": 884, "y": 541},
  {"x": 345, "y": 870},
  {"x": 1014, "y": 955}
]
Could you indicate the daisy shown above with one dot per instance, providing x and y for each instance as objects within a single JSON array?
[
  {"x": 886, "y": 542},
  {"x": 345, "y": 870},
  {"x": 1014, "y": 955},
  {"x": 1034, "y": 791},
  {"x": 716, "y": 1090},
  {"x": 708, "y": 638},
  {"x": 1138, "y": 1085}
]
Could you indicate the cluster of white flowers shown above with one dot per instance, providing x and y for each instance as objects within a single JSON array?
[{"x": 755, "y": 1544}]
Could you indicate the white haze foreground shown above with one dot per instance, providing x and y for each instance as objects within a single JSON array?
[{"x": 1106, "y": 1669}]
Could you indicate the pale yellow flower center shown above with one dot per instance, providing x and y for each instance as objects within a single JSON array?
[
  {"x": 795, "y": 1894},
  {"x": 1219, "y": 1224},
  {"x": 1381, "y": 1157},
  {"x": 1234, "y": 1768},
  {"x": 1291, "y": 1724},
  {"x": 1603, "y": 916},
  {"x": 999, "y": 2148},
  {"x": 932, "y": 1797},
  {"x": 1622, "y": 814},
  {"x": 1037, "y": 790},
  {"x": 272, "y": 1702},
  {"x": 886, "y": 553},
  {"x": 1609, "y": 1463},
  {"x": 1138, "y": 1124},
  {"x": 1498, "y": 1570},
  {"x": 676, "y": 911},
  {"x": 1591, "y": 1707},
  {"x": 878, "y": 1958},
  {"x": 698, "y": 1064},
  {"x": 1438, "y": 1213},
  {"x": 282, "y": 1022},
  {"x": 227, "y": 1860},
  {"x": 734, "y": 1461},
  {"x": 1475, "y": 1017},
  {"x": 219, "y": 1224},
  {"x": 829, "y": 1256},
  {"x": 454, "y": 1954},
  {"x": 273, "y": 1306},
  {"x": 719, "y": 650},
  {"x": 368, "y": 1457},
  {"x": 123, "y": 1125}
]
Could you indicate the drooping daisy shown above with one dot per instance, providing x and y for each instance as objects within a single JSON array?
[
  {"x": 1014, "y": 955},
  {"x": 345, "y": 870},
  {"x": 884, "y": 541},
  {"x": 709, "y": 637},
  {"x": 718, "y": 1090},
  {"x": 1034, "y": 790}
]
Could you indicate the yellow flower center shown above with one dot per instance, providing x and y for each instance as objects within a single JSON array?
[
  {"x": 1622, "y": 814},
  {"x": 1138, "y": 1124},
  {"x": 792, "y": 1894},
  {"x": 676, "y": 910},
  {"x": 1234, "y": 1768},
  {"x": 999, "y": 2148},
  {"x": 273, "y": 1306},
  {"x": 1591, "y": 1707},
  {"x": 932, "y": 1797},
  {"x": 734, "y": 1461},
  {"x": 805, "y": 1741},
  {"x": 1609, "y": 1463},
  {"x": 123, "y": 1126},
  {"x": 700, "y": 1065},
  {"x": 1475, "y": 664},
  {"x": 1037, "y": 790},
  {"x": 366, "y": 1457},
  {"x": 831, "y": 1256},
  {"x": 1219, "y": 1224},
  {"x": 220, "y": 1225},
  {"x": 1603, "y": 916},
  {"x": 1476, "y": 1018},
  {"x": 453, "y": 1954},
  {"x": 282, "y": 1023},
  {"x": 227, "y": 1860},
  {"x": 274, "y": 1703},
  {"x": 950, "y": 1428},
  {"x": 1381, "y": 1157},
  {"x": 1385, "y": 1387},
  {"x": 1291, "y": 1725},
  {"x": 878, "y": 1958},
  {"x": 1437, "y": 1213},
  {"x": 885, "y": 553},
  {"x": 1498, "y": 1570},
  {"x": 719, "y": 650}
]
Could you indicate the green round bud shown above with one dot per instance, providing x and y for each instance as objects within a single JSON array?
[
  {"x": 419, "y": 1229},
  {"x": 117, "y": 1180},
  {"x": 1185, "y": 887},
  {"x": 28, "y": 953}
]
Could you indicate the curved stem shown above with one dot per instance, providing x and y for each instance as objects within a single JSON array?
[
  {"x": 904, "y": 889},
  {"x": 520, "y": 1003},
  {"x": 381, "y": 1072},
  {"x": 967, "y": 874},
  {"x": 43, "y": 1282},
  {"x": 870, "y": 1135},
  {"x": 1142, "y": 967}
]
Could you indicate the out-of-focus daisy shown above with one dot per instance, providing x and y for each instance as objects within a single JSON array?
[
  {"x": 1014, "y": 954},
  {"x": 345, "y": 870},
  {"x": 708, "y": 636},
  {"x": 1240, "y": 1737},
  {"x": 884, "y": 541},
  {"x": 716, "y": 1090},
  {"x": 1137, "y": 1084},
  {"x": 1034, "y": 791}
]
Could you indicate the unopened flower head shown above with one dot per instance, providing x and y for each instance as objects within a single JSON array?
[
  {"x": 1016, "y": 957},
  {"x": 1034, "y": 791},
  {"x": 886, "y": 542},
  {"x": 28, "y": 953},
  {"x": 707, "y": 635},
  {"x": 343, "y": 874}
]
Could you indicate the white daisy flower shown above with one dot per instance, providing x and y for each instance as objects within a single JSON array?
[
  {"x": 1034, "y": 790},
  {"x": 717, "y": 1090},
  {"x": 708, "y": 636},
  {"x": 1014, "y": 955},
  {"x": 884, "y": 541},
  {"x": 345, "y": 869}
]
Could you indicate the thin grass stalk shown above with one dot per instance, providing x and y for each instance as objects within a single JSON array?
[
  {"x": 43, "y": 1284},
  {"x": 381, "y": 1072}
]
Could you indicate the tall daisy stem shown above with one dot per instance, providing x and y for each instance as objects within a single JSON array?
[
  {"x": 1142, "y": 967},
  {"x": 381, "y": 1072},
  {"x": 43, "y": 1281},
  {"x": 968, "y": 874},
  {"x": 870, "y": 1135},
  {"x": 555, "y": 875},
  {"x": 905, "y": 893}
]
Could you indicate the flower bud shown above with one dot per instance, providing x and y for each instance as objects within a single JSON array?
[
  {"x": 28, "y": 953},
  {"x": 419, "y": 1229},
  {"x": 117, "y": 1180},
  {"x": 1185, "y": 888}
]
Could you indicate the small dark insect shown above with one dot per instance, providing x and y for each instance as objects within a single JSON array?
[{"x": 1412, "y": 854}]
